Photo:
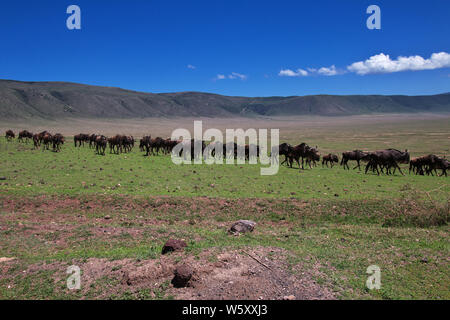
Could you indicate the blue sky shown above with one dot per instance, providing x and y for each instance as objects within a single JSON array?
[{"x": 248, "y": 48}]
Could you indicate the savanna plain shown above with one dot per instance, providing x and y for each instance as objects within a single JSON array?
[{"x": 317, "y": 230}]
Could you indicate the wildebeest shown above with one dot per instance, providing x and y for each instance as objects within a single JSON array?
[
  {"x": 387, "y": 159},
  {"x": 302, "y": 151},
  {"x": 92, "y": 140},
  {"x": 355, "y": 155},
  {"x": 80, "y": 139},
  {"x": 312, "y": 155},
  {"x": 428, "y": 164},
  {"x": 46, "y": 138},
  {"x": 25, "y": 134},
  {"x": 36, "y": 140},
  {"x": 442, "y": 164},
  {"x": 330, "y": 158},
  {"x": 423, "y": 164},
  {"x": 145, "y": 143},
  {"x": 57, "y": 140},
  {"x": 100, "y": 144},
  {"x": 10, "y": 135},
  {"x": 284, "y": 149},
  {"x": 115, "y": 144},
  {"x": 41, "y": 136}
]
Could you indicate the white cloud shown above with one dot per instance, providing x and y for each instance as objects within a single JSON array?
[
  {"x": 382, "y": 63},
  {"x": 190, "y": 66},
  {"x": 233, "y": 75},
  {"x": 324, "y": 71},
  {"x": 331, "y": 71},
  {"x": 290, "y": 73}
]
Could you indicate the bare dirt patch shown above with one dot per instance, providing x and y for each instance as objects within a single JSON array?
[{"x": 248, "y": 273}]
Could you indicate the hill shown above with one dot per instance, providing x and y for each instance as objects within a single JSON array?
[{"x": 53, "y": 100}]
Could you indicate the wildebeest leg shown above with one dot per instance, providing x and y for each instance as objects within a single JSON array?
[
  {"x": 358, "y": 166},
  {"x": 398, "y": 167},
  {"x": 346, "y": 165},
  {"x": 367, "y": 167}
]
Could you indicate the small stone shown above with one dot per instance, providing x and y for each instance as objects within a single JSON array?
[
  {"x": 107, "y": 217},
  {"x": 242, "y": 226},
  {"x": 182, "y": 275},
  {"x": 291, "y": 297},
  {"x": 2, "y": 178},
  {"x": 173, "y": 245},
  {"x": 424, "y": 260}
]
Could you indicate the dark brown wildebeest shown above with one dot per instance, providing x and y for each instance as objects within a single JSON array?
[
  {"x": 145, "y": 143},
  {"x": 330, "y": 158},
  {"x": 36, "y": 140},
  {"x": 423, "y": 164},
  {"x": 100, "y": 144},
  {"x": 355, "y": 155},
  {"x": 431, "y": 163},
  {"x": 415, "y": 165},
  {"x": 300, "y": 151},
  {"x": 25, "y": 134},
  {"x": 312, "y": 155},
  {"x": 285, "y": 150},
  {"x": 157, "y": 144},
  {"x": 442, "y": 164},
  {"x": 41, "y": 136},
  {"x": 169, "y": 144},
  {"x": 46, "y": 139},
  {"x": 388, "y": 158},
  {"x": 127, "y": 143},
  {"x": 92, "y": 140},
  {"x": 9, "y": 135},
  {"x": 57, "y": 140},
  {"x": 115, "y": 144},
  {"x": 80, "y": 139}
]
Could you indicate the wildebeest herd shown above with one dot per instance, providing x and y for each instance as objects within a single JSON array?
[{"x": 381, "y": 161}]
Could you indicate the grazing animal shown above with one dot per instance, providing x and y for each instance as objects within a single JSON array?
[
  {"x": 36, "y": 141},
  {"x": 145, "y": 143},
  {"x": 355, "y": 155},
  {"x": 444, "y": 165},
  {"x": 46, "y": 140},
  {"x": 330, "y": 158},
  {"x": 303, "y": 151},
  {"x": 92, "y": 140},
  {"x": 285, "y": 150},
  {"x": 25, "y": 134},
  {"x": 388, "y": 158},
  {"x": 9, "y": 135},
  {"x": 100, "y": 144},
  {"x": 80, "y": 139},
  {"x": 57, "y": 140}
]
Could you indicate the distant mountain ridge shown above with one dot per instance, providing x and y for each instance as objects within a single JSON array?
[{"x": 53, "y": 100}]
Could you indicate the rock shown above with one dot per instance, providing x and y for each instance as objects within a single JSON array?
[
  {"x": 242, "y": 226},
  {"x": 173, "y": 245},
  {"x": 424, "y": 260},
  {"x": 291, "y": 297},
  {"x": 182, "y": 275},
  {"x": 2, "y": 178},
  {"x": 107, "y": 217},
  {"x": 5, "y": 259}
]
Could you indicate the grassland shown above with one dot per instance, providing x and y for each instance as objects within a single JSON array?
[{"x": 114, "y": 212}]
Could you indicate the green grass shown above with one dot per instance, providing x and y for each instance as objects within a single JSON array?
[
  {"x": 77, "y": 171},
  {"x": 53, "y": 208}
]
